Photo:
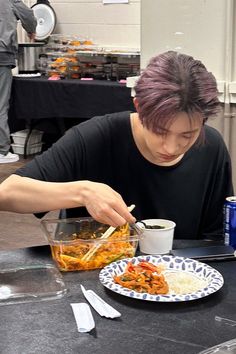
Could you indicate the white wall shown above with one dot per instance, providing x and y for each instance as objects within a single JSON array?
[
  {"x": 205, "y": 29},
  {"x": 110, "y": 24},
  {"x": 193, "y": 27}
]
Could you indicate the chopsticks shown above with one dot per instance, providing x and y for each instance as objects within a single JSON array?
[{"x": 106, "y": 234}]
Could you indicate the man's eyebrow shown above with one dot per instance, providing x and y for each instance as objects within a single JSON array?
[
  {"x": 186, "y": 132},
  {"x": 191, "y": 131}
]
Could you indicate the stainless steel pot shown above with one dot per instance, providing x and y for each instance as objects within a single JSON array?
[{"x": 28, "y": 55}]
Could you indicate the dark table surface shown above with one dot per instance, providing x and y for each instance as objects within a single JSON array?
[{"x": 144, "y": 327}]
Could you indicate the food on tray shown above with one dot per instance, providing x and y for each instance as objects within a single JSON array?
[
  {"x": 87, "y": 42},
  {"x": 153, "y": 279},
  {"x": 75, "y": 43},
  {"x": 143, "y": 278},
  {"x": 69, "y": 257},
  {"x": 54, "y": 74},
  {"x": 71, "y": 51},
  {"x": 61, "y": 68},
  {"x": 74, "y": 68},
  {"x": 75, "y": 76},
  {"x": 59, "y": 60},
  {"x": 64, "y": 66}
]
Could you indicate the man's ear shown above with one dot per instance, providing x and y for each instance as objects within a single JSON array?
[{"x": 136, "y": 105}]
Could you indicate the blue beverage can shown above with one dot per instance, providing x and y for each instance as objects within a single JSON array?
[{"x": 230, "y": 221}]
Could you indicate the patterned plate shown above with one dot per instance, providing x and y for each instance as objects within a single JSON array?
[{"x": 201, "y": 270}]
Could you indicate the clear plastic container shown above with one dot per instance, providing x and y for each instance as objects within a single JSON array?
[
  {"x": 37, "y": 282},
  {"x": 69, "y": 40},
  {"x": 77, "y": 244}
]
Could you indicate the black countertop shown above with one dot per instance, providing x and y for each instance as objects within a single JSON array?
[{"x": 144, "y": 327}]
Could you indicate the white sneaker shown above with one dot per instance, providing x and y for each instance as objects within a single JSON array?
[{"x": 8, "y": 158}]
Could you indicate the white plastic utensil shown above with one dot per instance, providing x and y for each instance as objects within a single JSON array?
[
  {"x": 103, "y": 308},
  {"x": 83, "y": 317},
  {"x": 226, "y": 321}
]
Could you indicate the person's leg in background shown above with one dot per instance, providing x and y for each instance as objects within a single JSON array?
[{"x": 5, "y": 91}]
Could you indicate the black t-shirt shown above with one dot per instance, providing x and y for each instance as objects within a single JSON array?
[{"x": 102, "y": 149}]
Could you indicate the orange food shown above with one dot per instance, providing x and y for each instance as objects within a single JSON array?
[
  {"x": 75, "y": 76},
  {"x": 87, "y": 42},
  {"x": 69, "y": 257},
  {"x": 73, "y": 60},
  {"x": 143, "y": 278},
  {"x": 53, "y": 74},
  {"x": 71, "y": 51},
  {"x": 75, "y": 43},
  {"x": 74, "y": 68},
  {"x": 62, "y": 69},
  {"x": 59, "y": 60}
]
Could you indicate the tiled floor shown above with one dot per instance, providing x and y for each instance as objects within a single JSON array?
[
  {"x": 8, "y": 168},
  {"x": 19, "y": 230}
]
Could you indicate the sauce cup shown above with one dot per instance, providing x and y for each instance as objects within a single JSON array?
[{"x": 157, "y": 237}]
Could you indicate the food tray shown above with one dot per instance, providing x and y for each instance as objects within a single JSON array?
[{"x": 37, "y": 282}]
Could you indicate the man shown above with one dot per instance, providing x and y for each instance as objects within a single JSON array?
[
  {"x": 10, "y": 12},
  {"x": 163, "y": 158}
]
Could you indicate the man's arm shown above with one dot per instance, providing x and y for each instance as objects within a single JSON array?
[
  {"x": 25, "y": 15},
  {"x": 27, "y": 195}
]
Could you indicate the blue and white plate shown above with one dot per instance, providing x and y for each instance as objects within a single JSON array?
[{"x": 212, "y": 279}]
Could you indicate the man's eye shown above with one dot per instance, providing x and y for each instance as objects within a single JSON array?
[
  {"x": 161, "y": 132},
  {"x": 187, "y": 136}
]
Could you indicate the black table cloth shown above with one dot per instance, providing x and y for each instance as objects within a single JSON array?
[
  {"x": 40, "y": 98},
  {"x": 53, "y": 106}
]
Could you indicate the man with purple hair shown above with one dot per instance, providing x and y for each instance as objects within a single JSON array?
[{"x": 162, "y": 158}]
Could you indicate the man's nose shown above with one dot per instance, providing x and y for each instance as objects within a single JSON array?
[{"x": 171, "y": 145}]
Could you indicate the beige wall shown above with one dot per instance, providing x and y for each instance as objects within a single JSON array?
[
  {"x": 111, "y": 24},
  {"x": 205, "y": 29}
]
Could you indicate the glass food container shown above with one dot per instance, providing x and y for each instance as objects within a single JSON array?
[{"x": 77, "y": 244}]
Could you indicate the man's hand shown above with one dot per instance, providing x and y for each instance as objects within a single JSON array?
[
  {"x": 31, "y": 36},
  {"x": 105, "y": 205}
]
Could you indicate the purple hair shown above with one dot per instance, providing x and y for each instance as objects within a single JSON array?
[{"x": 173, "y": 83}]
